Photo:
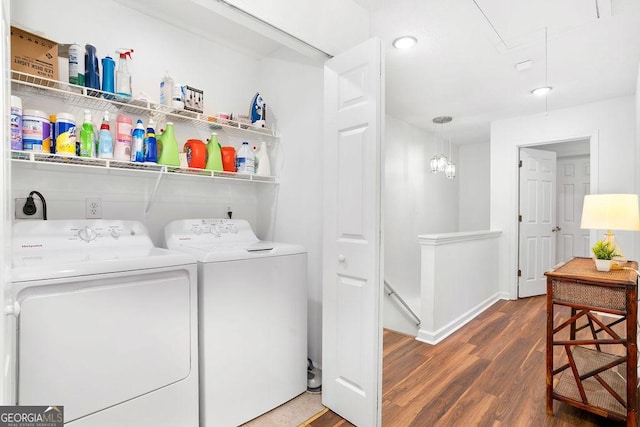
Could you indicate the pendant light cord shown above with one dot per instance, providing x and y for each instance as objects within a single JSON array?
[{"x": 546, "y": 71}]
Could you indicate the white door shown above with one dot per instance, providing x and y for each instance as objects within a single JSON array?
[
  {"x": 352, "y": 239},
  {"x": 537, "y": 252},
  {"x": 573, "y": 185}
]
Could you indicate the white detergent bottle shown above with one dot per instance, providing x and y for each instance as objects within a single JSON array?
[
  {"x": 245, "y": 160},
  {"x": 166, "y": 89},
  {"x": 263, "y": 166}
]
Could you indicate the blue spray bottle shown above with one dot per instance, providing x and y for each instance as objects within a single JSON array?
[
  {"x": 105, "y": 140},
  {"x": 150, "y": 144}
]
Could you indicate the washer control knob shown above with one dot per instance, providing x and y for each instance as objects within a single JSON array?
[
  {"x": 342, "y": 258},
  {"x": 87, "y": 234},
  {"x": 115, "y": 233},
  {"x": 197, "y": 231}
]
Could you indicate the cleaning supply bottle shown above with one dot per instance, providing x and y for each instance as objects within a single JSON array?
[
  {"x": 87, "y": 137},
  {"x": 91, "y": 70},
  {"x": 263, "y": 166},
  {"x": 108, "y": 78},
  {"x": 169, "y": 147},
  {"x": 166, "y": 90},
  {"x": 122, "y": 147},
  {"x": 177, "y": 99},
  {"x": 214, "y": 156},
  {"x": 150, "y": 144},
  {"x": 245, "y": 160},
  {"x": 105, "y": 140},
  {"x": 137, "y": 143},
  {"x": 123, "y": 76}
]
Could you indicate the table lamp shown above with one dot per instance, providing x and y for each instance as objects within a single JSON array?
[{"x": 611, "y": 212}]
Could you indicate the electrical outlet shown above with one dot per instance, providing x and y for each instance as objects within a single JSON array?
[
  {"x": 93, "y": 208},
  {"x": 19, "y": 214}
]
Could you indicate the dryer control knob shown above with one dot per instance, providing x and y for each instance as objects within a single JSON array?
[
  {"x": 197, "y": 231},
  {"x": 87, "y": 234},
  {"x": 115, "y": 233}
]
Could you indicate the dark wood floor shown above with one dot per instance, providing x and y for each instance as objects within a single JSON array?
[{"x": 489, "y": 373}]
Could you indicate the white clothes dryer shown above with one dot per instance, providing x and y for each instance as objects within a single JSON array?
[
  {"x": 253, "y": 318},
  {"x": 106, "y": 324}
]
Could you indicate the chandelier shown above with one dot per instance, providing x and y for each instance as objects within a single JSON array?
[{"x": 440, "y": 162}]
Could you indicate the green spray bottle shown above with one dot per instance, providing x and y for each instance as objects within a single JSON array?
[
  {"x": 87, "y": 137},
  {"x": 214, "y": 157}
]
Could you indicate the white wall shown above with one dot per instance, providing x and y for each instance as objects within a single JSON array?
[
  {"x": 453, "y": 296},
  {"x": 296, "y": 215},
  {"x": 415, "y": 202},
  {"x": 610, "y": 124},
  {"x": 227, "y": 78},
  {"x": 473, "y": 174}
]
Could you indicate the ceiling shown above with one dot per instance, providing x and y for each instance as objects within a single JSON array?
[{"x": 464, "y": 63}]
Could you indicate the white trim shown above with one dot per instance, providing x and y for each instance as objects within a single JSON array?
[
  {"x": 463, "y": 236},
  {"x": 434, "y": 337},
  {"x": 593, "y": 136}
]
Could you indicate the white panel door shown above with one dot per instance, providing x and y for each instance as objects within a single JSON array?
[
  {"x": 537, "y": 252},
  {"x": 573, "y": 184},
  {"x": 352, "y": 276}
]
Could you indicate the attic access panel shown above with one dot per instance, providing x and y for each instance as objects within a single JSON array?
[{"x": 518, "y": 23}]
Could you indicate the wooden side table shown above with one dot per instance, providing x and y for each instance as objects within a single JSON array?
[{"x": 597, "y": 366}]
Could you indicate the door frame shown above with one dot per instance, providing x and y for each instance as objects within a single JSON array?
[{"x": 593, "y": 137}]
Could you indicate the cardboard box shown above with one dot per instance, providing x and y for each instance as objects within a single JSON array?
[{"x": 33, "y": 54}]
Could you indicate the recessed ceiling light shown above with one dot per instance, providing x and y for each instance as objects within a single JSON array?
[
  {"x": 541, "y": 90},
  {"x": 404, "y": 42}
]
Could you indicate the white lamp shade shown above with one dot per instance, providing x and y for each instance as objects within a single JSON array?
[{"x": 610, "y": 212}]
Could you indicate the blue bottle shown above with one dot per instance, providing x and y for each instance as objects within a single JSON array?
[
  {"x": 137, "y": 143},
  {"x": 91, "y": 70},
  {"x": 108, "y": 77},
  {"x": 150, "y": 144}
]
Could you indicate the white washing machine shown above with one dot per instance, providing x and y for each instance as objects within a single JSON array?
[
  {"x": 253, "y": 318},
  {"x": 106, "y": 324}
]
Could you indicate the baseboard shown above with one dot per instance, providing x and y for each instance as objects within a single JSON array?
[{"x": 434, "y": 337}]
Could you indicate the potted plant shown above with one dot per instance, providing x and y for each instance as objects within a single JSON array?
[{"x": 604, "y": 252}]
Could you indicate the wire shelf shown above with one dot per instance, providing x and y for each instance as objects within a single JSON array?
[
  {"x": 84, "y": 97},
  {"x": 90, "y": 162}
]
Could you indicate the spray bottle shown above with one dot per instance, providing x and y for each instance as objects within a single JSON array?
[
  {"x": 105, "y": 140},
  {"x": 123, "y": 76},
  {"x": 87, "y": 138}
]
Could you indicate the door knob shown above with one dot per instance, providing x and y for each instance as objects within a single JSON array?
[
  {"x": 341, "y": 258},
  {"x": 556, "y": 228}
]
